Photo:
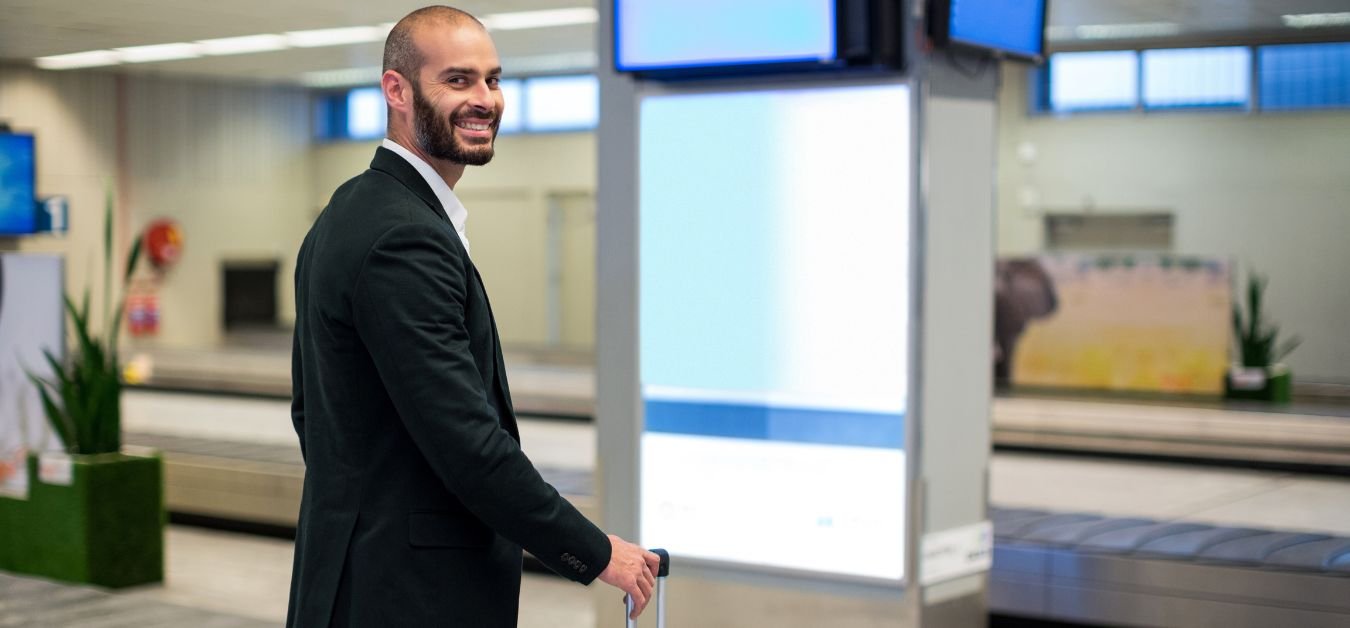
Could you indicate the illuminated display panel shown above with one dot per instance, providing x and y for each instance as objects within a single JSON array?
[
  {"x": 18, "y": 213},
  {"x": 1012, "y": 26},
  {"x": 774, "y": 317},
  {"x": 667, "y": 34}
]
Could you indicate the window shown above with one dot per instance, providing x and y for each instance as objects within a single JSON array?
[
  {"x": 1197, "y": 77},
  {"x": 1081, "y": 81},
  {"x": 562, "y": 103},
  {"x": 540, "y": 104},
  {"x": 512, "y": 103},
  {"x": 1305, "y": 76},
  {"x": 366, "y": 113},
  {"x": 1289, "y": 77}
]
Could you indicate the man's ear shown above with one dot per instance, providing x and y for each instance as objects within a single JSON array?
[{"x": 397, "y": 91}]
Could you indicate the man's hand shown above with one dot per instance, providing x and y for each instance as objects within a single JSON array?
[{"x": 632, "y": 570}]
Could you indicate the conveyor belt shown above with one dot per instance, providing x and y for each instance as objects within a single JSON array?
[
  {"x": 261, "y": 483},
  {"x": 1141, "y": 572}
]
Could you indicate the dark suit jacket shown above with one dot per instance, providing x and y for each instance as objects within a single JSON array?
[{"x": 417, "y": 498}]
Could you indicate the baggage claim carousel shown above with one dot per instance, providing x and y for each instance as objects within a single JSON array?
[{"x": 1061, "y": 566}]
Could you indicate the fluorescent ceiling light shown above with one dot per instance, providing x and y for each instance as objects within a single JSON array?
[
  {"x": 91, "y": 59},
  {"x": 346, "y": 77},
  {"x": 540, "y": 19},
  {"x": 1316, "y": 20},
  {"x": 1127, "y": 31},
  {"x": 560, "y": 62},
  {"x": 159, "y": 52},
  {"x": 243, "y": 45},
  {"x": 335, "y": 36},
  {"x": 332, "y": 37}
]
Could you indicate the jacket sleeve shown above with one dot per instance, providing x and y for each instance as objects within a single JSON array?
[
  {"x": 297, "y": 390},
  {"x": 408, "y": 308},
  {"x": 297, "y": 369}
]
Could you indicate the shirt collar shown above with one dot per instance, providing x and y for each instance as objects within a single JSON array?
[{"x": 459, "y": 216}]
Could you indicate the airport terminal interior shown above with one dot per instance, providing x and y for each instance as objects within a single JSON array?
[{"x": 871, "y": 312}]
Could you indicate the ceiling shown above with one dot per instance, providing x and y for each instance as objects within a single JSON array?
[{"x": 34, "y": 28}]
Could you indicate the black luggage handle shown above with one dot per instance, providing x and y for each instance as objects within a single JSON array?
[{"x": 661, "y": 573}]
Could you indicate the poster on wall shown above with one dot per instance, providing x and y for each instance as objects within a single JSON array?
[
  {"x": 30, "y": 322},
  {"x": 774, "y": 308},
  {"x": 1148, "y": 323}
]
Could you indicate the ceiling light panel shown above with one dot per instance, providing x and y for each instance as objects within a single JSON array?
[
  {"x": 336, "y": 36},
  {"x": 1316, "y": 20},
  {"x": 159, "y": 52},
  {"x": 91, "y": 59},
  {"x": 540, "y": 19},
  {"x": 243, "y": 45}
]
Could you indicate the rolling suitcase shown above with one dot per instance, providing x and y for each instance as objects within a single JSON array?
[{"x": 660, "y": 593}]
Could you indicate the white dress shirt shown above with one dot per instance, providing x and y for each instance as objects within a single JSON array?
[{"x": 459, "y": 216}]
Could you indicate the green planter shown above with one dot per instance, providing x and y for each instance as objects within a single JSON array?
[
  {"x": 106, "y": 527},
  {"x": 1273, "y": 384}
]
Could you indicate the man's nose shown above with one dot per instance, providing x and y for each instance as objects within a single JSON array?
[{"x": 480, "y": 98}]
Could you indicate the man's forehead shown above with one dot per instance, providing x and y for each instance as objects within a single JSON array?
[{"x": 447, "y": 44}]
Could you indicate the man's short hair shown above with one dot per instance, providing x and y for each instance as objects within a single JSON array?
[{"x": 400, "y": 51}]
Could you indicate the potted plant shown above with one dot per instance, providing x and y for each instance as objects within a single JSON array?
[
  {"x": 93, "y": 513},
  {"x": 1258, "y": 374}
]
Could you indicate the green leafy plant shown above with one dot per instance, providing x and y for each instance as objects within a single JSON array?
[
  {"x": 1257, "y": 338},
  {"x": 83, "y": 399}
]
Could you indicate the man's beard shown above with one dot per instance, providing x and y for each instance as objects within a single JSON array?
[{"x": 437, "y": 137}]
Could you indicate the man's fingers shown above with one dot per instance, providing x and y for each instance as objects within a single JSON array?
[
  {"x": 637, "y": 608},
  {"x": 639, "y": 602},
  {"x": 646, "y": 587}
]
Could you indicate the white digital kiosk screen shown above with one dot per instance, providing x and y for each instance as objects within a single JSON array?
[{"x": 774, "y": 323}]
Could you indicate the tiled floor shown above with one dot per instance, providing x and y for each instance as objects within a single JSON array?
[
  {"x": 37, "y": 603},
  {"x": 226, "y": 580}
]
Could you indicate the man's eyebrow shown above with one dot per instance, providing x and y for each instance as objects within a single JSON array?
[
  {"x": 459, "y": 70},
  {"x": 454, "y": 70}
]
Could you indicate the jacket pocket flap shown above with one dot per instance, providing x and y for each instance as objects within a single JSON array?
[{"x": 446, "y": 529}]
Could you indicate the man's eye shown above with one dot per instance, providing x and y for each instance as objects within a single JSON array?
[
  {"x": 494, "y": 82},
  {"x": 456, "y": 80}
]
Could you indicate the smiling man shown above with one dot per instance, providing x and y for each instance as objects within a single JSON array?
[{"x": 417, "y": 497}]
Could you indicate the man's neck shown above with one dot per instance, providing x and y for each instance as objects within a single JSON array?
[{"x": 449, "y": 171}]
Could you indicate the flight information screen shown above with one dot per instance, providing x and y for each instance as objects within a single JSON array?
[
  {"x": 17, "y": 211},
  {"x": 774, "y": 327},
  {"x": 1012, "y": 26},
  {"x": 667, "y": 34}
]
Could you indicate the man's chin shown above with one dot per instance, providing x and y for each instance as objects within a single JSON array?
[{"x": 479, "y": 157}]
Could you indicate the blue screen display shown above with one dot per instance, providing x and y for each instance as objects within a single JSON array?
[
  {"x": 1012, "y": 26},
  {"x": 668, "y": 34},
  {"x": 17, "y": 213}
]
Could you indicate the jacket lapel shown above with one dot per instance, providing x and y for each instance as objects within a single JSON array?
[{"x": 390, "y": 163}]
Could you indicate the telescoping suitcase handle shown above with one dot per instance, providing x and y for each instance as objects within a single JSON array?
[{"x": 660, "y": 593}]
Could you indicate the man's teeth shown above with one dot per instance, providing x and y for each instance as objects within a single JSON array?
[{"x": 473, "y": 126}]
